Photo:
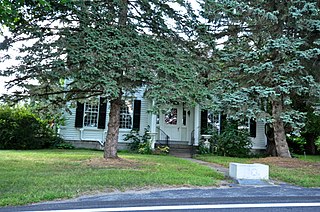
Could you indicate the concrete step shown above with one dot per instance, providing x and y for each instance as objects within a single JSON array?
[
  {"x": 179, "y": 146},
  {"x": 172, "y": 142},
  {"x": 179, "y": 149}
]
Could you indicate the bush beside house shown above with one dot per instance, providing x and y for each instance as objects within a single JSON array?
[
  {"x": 21, "y": 129},
  {"x": 232, "y": 142},
  {"x": 139, "y": 144}
]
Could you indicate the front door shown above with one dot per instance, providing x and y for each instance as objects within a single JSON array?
[{"x": 176, "y": 123}]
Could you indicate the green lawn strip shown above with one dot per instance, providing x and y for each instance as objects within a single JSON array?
[
  {"x": 309, "y": 158},
  {"x": 224, "y": 161},
  {"x": 34, "y": 176},
  {"x": 297, "y": 176},
  {"x": 306, "y": 176}
]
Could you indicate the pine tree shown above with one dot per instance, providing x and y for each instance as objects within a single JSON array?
[
  {"x": 105, "y": 48},
  {"x": 266, "y": 45}
]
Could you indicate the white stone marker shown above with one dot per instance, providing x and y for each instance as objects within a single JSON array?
[{"x": 254, "y": 171}]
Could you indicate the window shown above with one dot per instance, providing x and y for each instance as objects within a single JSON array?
[
  {"x": 126, "y": 113},
  {"x": 214, "y": 121},
  {"x": 243, "y": 124},
  {"x": 171, "y": 117},
  {"x": 250, "y": 125},
  {"x": 184, "y": 117},
  {"x": 91, "y": 113}
]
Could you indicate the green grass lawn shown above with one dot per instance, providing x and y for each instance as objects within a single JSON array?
[
  {"x": 301, "y": 171},
  {"x": 310, "y": 158},
  {"x": 35, "y": 176}
]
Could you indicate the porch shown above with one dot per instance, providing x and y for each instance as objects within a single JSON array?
[{"x": 179, "y": 148}]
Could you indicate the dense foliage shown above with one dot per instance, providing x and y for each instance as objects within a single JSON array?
[
  {"x": 12, "y": 12},
  {"x": 247, "y": 58},
  {"x": 80, "y": 49},
  {"x": 268, "y": 52},
  {"x": 137, "y": 143},
  {"x": 234, "y": 143},
  {"x": 231, "y": 142},
  {"x": 22, "y": 129},
  {"x": 311, "y": 131},
  {"x": 317, "y": 143}
]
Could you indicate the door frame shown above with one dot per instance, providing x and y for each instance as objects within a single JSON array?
[{"x": 184, "y": 115}]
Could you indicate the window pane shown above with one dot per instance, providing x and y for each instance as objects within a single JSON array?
[
  {"x": 184, "y": 118},
  {"x": 171, "y": 117},
  {"x": 126, "y": 113},
  {"x": 91, "y": 113},
  {"x": 213, "y": 121}
]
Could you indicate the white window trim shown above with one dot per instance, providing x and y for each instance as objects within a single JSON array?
[
  {"x": 84, "y": 114},
  {"x": 131, "y": 115}
]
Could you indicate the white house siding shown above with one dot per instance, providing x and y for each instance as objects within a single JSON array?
[
  {"x": 260, "y": 141},
  {"x": 70, "y": 133}
]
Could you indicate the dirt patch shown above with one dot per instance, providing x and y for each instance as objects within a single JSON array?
[
  {"x": 287, "y": 162},
  {"x": 113, "y": 163}
]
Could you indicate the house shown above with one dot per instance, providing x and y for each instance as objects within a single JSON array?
[{"x": 86, "y": 125}]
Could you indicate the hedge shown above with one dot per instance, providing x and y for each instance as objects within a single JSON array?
[{"x": 22, "y": 129}]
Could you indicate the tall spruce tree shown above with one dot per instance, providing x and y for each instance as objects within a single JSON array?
[
  {"x": 104, "y": 48},
  {"x": 265, "y": 46},
  {"x": 11, "y": 12}
]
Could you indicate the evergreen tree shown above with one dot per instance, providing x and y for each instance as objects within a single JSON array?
[
  {"x": 12, "y": 11},
  {"x": 105, "y": 48},
  {"x": 265, "y": 46}
]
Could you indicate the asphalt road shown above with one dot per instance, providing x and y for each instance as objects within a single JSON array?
[{"x": 230, "y": 198}]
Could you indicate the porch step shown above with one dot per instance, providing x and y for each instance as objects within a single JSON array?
[
  {"x": 179, "y": 143},
  {"x": 179, "y": 149},
  {"x": 182, "y": 147},
  {"x": 172, "y": 142}
]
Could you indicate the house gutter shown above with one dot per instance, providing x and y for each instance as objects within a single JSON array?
[{"x": 101, "y": 142}]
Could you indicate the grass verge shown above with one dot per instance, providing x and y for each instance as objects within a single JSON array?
[
  {"x": 35, "y": 176},
  {"x": 301, "y": 171}
]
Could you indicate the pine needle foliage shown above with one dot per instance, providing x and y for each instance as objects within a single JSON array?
[
  {"x": 74, "y": 50},
  {"x": 268, "y": 53}
]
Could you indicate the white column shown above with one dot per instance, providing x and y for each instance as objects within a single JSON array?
[
  {"x": 153, "y": 127},
  {"x": 196, "y": 125}
]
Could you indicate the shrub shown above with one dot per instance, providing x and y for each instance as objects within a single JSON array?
[
  {"x": 311, "y": 131},
  {"x": 162, "y": 150},
  {"x": 140, "y": 144},
  {"x": 60, "y": 143},
  {"x": 134, "y": 138},
  {"x": 145, "y": 148},
  {"x": 21, "y": 129},
  {"x": 317, "y": 143},
  {"x": 203, "y": 149},
  {"x": 296, "y": 143},
  {"x": 232, "y": 142}
]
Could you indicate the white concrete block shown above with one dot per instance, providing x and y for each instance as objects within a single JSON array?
[{"x": 254, "y": 171}]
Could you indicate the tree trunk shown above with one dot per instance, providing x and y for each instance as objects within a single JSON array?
[
  {"x": 111, "y": 144},
  {"x": 271, "y": 148},
  {"x": 271, "y": 145},
  {"x": 123, "y": 17},
  {"x": 279, "y": 132}
]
